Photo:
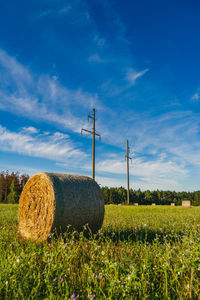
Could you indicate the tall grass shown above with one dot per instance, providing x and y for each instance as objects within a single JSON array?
[{"x": 140, "y": 253}]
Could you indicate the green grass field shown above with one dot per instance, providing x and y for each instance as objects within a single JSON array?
[{"x": 140, "y": 253}]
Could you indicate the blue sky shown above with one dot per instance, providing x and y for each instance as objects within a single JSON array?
[{"x": 136, "y": 62}]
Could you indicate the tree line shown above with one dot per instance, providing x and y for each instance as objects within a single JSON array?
[
  {"x": 11, "y": 186},
  {"x": 119, "y": 196}
]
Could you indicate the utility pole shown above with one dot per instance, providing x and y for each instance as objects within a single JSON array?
[
  {"x": 127, "y": 159},
  {"x": 93, "y": 132}
]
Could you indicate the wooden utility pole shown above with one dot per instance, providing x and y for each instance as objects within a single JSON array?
[
  {"x": 93, "y": 145},
  {"x": 93, "y": 132},
  {"x": 127, "y": 159}
]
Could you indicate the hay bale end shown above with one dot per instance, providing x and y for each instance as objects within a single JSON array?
[{"x": 186, "y": 203}]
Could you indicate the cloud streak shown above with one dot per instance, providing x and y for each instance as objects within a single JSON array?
[
  {"x": 55, "y": 12},
  {"x": 42, "y": 98},
  {"x": 29, "y": 141},
  {"x": 95, "y": 59},
  {"x": 195, "y": 97},
  {"x": 152, "y": 173},
  {"x": 132, "y": 75}
]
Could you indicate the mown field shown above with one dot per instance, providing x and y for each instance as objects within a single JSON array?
[{"x": 140, "y": 253}]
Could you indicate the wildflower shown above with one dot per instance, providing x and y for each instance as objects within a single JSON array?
[
  {"x": 61, "y": 279},
  {"x": 73, "y": 297},
  {"x": 54, "y": 279},
  {"x": 58, "y": 283},
  {"x": 131, "y": 267},
  {"x": 17, "y": 260},
  {"x": 101, "y": 276},
  {"x": 179, "y": 273},
  {"x": 6, "y": 282},
  {"x": 89, "y": 277},
  {"x": 91, "y": 297}
]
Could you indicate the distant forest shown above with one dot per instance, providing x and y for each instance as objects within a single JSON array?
[
  {"x": 119, "y": 195},
  {"x": 11, "y": 186}
]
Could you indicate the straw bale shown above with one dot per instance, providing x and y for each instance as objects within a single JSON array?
[
  {"x": 172, "y": 204},
  {"x": 186, "y": 203},
  {"x": 135, "y": 204},
  {"x": 153, "y": 204},
  {"x": 52, "y": 201}
]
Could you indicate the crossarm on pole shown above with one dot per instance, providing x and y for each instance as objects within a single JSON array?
[
  {"x": 91, "y": 133},
  {"x": 86, "y": 131}
]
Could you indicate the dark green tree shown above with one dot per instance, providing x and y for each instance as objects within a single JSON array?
[
  {"x": 13, "y": 196},
  {"x": 196, "y": 200}
]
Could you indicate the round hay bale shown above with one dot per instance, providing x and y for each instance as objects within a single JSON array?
[{"x": 54, "y": 201}]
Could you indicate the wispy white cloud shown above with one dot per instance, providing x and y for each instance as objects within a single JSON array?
[
  {"x": 139, "y": 167},
  {"x": 42, "y": 97},
  {"x": 56, "y": 146},
  {"x": 167, "y": 147},
  {"x": 30, "y": 130},
  {"x": 166, "y": 184},
  {"x": 195, "y": 97},
  {"x": 56, "y": 10},
  {"x": 132, "y": 75},
  {"x": 99, "y": 41},
  {"x": 95, "y": 59},
  {"x": 161, "y": 173},
  {"x": 123, "y": 81},
  {"x": 13, "y": 74}
]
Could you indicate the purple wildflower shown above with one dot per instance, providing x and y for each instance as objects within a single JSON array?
[
  {"x": 91, "y": 297},
  {"x": 73, "y": 297},
  {"x": 61, "y": 279}
]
